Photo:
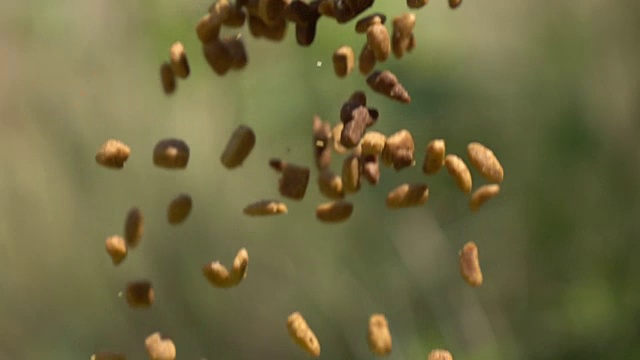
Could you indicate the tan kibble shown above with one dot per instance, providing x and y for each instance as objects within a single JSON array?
[
  {"x": 470, "y": 265},
  {"x": 167, "y": 78},
  {"x": 116, "y": 248},
  {"x": 108, "y": 355},
  {"x": 399, "y": 150},
  {"x": 459, "y": 171},
  {"x": 370, "y": 169},
  {"x": 160, "y": 347},
  {"x": 294, "y": 181},
  {"x": 416, "y": 4},
  {"x": 402, "y": 38},
  {"x": 378, "y": 336},
  {"x": 330, "y": 184},
  {"x": 179, "y": 209},
  {"x": 454, "y": 3},
  {"x": 343, "y": 61},
  {"x": 178, "y": 60},
  {"x": 366, "y": 22},
  {"x": 434, "y": 159},
  {"x": 408, "y": 195},
  {"x": 220, "y": 277},
  {"x": 265, "y": 208},
  {"x": 113, "y": 154},
  {"x": 335, "y": 211},
  {"x": 321, "y": 146},
  {"x": 439, "y": 354},
  {"x": 133, "y": 227},
  {"x": 482, "y": 195},
  {"x": 140, "y": 294},
  {"x": 373, "y": 143},
  {"x": 238, "y": 147},
  {"x": 240, "y": 264},
  {"x": 367, "y": 60},
  {"x": 485, "y": 161},
  {"x": 171, "y": 154},
  {"x": 302, "y": 334},
  {"x": 379, "y": 41},
  {"x": 337, "y": 136},
  {"x": 351, "y": 174},
  {"x": 387, "y": 84}
]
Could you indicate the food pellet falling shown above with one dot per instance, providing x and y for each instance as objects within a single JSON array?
[
  {"x": 470, "y": 265},
  {"x": 439, "y": 354},
  {"x": 302, "y": 335},
  {"x": 219, "y": 276},
  {"x": 179, "y": 209},
  {"x": 113, "y": 154},
  {"x": 116, "y": 248},
  {"x": 379, "y": 336},
  {"x": 160, "y": 347},
  {"x": 140, "y": 294}
]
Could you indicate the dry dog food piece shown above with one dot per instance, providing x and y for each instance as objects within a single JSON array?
[
  {"x": 107, "y": 355},
  {"x": 133, "y": 227},
  {"x": 113, "y": 154},
  {"x": 302, "y": 334},
  {"x": 294, "y": 180},
  {"x": 259, "y": 29},
  {"x": 116, "y": 248},
  {"x": 460, "y": 172},
  {"x": 379, "y": 336},
  {"x": 399, "y": 150},
  {"x": 371, "y": 169},
  {"x": 179, "y": 209},
  {"x": 220, "y": 277},
  {"x": 355, "y": 128},
  {"x": 351, "y": 174},
  {"x": 168, "y": 78},
  {"x": 225, "y": 54},
  {"x": 179, "y": 62},
  {"x": 357, "y": 99},
  {"x": 330, "y": 184},
  {"x": 416, "y": 4},
  {"x": 236, "y": 16},
  {"x": 402, "y": 39},
  {"x": 269, "y": 11},
  {"x": 305, "y": 16},
  {"x": 335, "y": 211},
  {"x": 343, "y": 61},
  {"x": 379, "y": 41},
  {"x": 408, "y": 195},
  {"x": 482, "y": 195},
  {"x": 160, "y": 347},
  {"x": 265, "y": 208},
  {"x": 439, "y": 354},
  {"x": 336, "y": 133},
  {"x": 367, "y": 60},
  {"x": 321, "y": 138},
  {"x": 208, "y": 28},
  {"x": 140, "y": 294},
  {"x": 344, "y": 10},
  {"x": 454, "y": 3},
  {"x": 470, "y": 265},
  {"x": 366, "y": 22},
  {"x": 373, "y": 143},
  {"x": 238, "y": 148},
  {"x": 387, "y": 84},
  {"x": 171, "y": 154},
  {"x": 486, "y": 162},
  {"x": 434, "y": 160}
]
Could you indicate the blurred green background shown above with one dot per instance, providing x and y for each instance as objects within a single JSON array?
[{"x": 552, "y": 88}]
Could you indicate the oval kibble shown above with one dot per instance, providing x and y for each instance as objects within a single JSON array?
[
  {"x": 179, "y": 209},
  {"x": 113, "y": 154},
  {"x": 167, "y": 78},
  {"x": 265, "y": 208},
  {"x": 351, "y": 174},
  {"x": 379, "y": 41},
  {"x": 459, "y": 171},
  {"x": 321, "y": 138},
  {"x": 408, "y": 195},
  {"x": 399, "y": 150},
  {"x": 116, "y": 247},
  {"x": 485, "y": 161},
  {"x": 470, "y": 265},
  {"x": 378, "y": 336},
  {"x": 159, "y": 347},
  {"x": 373, "y": 143},
  {"x": 335, "y": 211},
  {"x": 416, "y": 4},
  {"x": 367, "y": 60},
  {"x": 302, "y": 334},
  {"x": 434, "y": 159},
  {"x": 108, "y": 355},
  {"x": 178, "y": 60},
  {"x": 454, "y": 3},
  {"x": 171, "y": 154},
  {"x": 140, "y": 294},
  {"x": 330, "y": 184},
  {"x": 239, "y": 147},
  {"x": 343, "y": 61},
  {"x": 240, "y": 264},
  {"x": 133, "y": 227},
  {"x": 439, "y": 354},
  {"x": 365, "y": 23},
  {"x": 482, "y": 195}
]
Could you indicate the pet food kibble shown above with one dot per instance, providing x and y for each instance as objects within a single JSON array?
[
  {"x": 113, "y": 154},
  {"x": 379, "y": 41},
  {"x": 335, "y": 211},
  {"x": 179, "y": 62},
  {"x": 302, "y": 334},
  {"x": 434, "y": 160},
  {"x": 366, "y": 22},
  {"x": 321, "y": 146},
  {"x": 265, "y": 208},
  {"x": 236, "y": 17},
  {"x": 343, "y": 61},
  {"x": 387, "y": 84},
  {"x": 133, "y": 227},
  {"x": 168, "y": 78},
  {"x": 356, "y": 100},
  {"x": 367, "y": 60},
  {"x": 330, "y": 184},
  {"x": 399, "y": 150},
  {"x": 240, "y": 263},
  {"x": 336, "y": 133},
  {"x": 225, "y": 54},
  {"x": 402, "y": 38},
  {"x": 171, "y": 154},
  {"x": 208, "y": 28},
  {"x": 454, "y": 3},
  {"x": 379, "y": 337},
  {"x": 179, "y": 209},
  {"x": 486, "y": 162},
  {"x": 160, "y": 347},
  {"x": 140, "y": 294},
  {"x": 345, "y": 10},
  {"x": 107, "y": 355},
  {"x": 416, "y": 4},
  {"x": 351, "y": 174},
  {"x": 482, "y": 195},
  {"x": 408, "y": 195},
  {"x": 460, "y": 172},
  {"x": 218, "y": 275},
  {"x": 294, "y": 180},
  {"x": 277, "y": 164},
  {"x": 238, "y": 148},
  {"x": 470, "y": 265},
  {"x": 439, "y": 354},
  {"x": 305, "y": 16},
  {"x": 116, "y": 248},
  {"x": 355, "y": 128},
  {"x": 371, "y": 169},
  {"x": 373, "y": 143}
]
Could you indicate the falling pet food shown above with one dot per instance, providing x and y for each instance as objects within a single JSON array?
[
  {"x": 379, "y": 337},
  {"x": 218, "y": 275},
  {"x": 343, "y": 61},
  {"x": 116, "y": 248},
  {"x": 459, "y": 171},
  {"x": 179, "y": 209},
  {"x": 373, "y": 143},
  {"x": 336, "y": 133},
  {"x": 402, "y": 38},
  {"x": 470, "y": 265},
  {"x": 370, "y": 169},
  {"x": 335, "y": 211},
  {"x": 239, "y": 147},
  {"x": 330, "y": 184},
  {"x": 434, "y": 160},
  {"x": 140, "y": 294},
  {"x": 379, "y": 42},
  {"x": 408, "y": 195},
  {"x": 439, "y": 354},
  {"x": 265, "y": 208},
  {"x": 482, "y": 195},
  {"x": 387, "y": 84},
  {"x": 302, "y": 334},
  {"x": 107, "y": 355},
  {"x": 351, "y": 174},
  {"x": 321, "y": 146},
  {"x": 486, "y": 162},
  {"x": 171, "y": 154},
  {"x": 113, "y": 154},
  {"x": 416, "y": 4},
  {"x": 178, "y": 60},
  {"x": 160, "y": 347},
  {"x": 225, "y": 54},
  {"x": 133, "y": 227},
  {"x": 399, "y": 150},
  {"x": 294, "y": 180},
  {"x": 454, "y": 3},
  {"x": 236, "y": 16},
  {"x": 366, "y": 60},
  {"x": 366, "y": 22},
  {"x": 167, "y": 78}
]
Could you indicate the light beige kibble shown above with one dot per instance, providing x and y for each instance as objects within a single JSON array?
[
  {"x": 379, "y": 336},
  {"x": 434, "y": 159},
  {"x": 459, "y": 171},
  {"x": 178, "y": 60},
  {"x": 335, "y": 211},
  {"x": 379, "y": 41},
  {"x": 265, "y": 208},
  {"x": 439, "y": 354},
  {"x": 482, "y": 195},
  {"x": 470, "y": 265},
  {"x": 408, "y": 195},
  {"x": 160, "y": 347},
  {"x": 486, "y": 162},
  {"x": 133, "y": 227},
  {"x": 366, "y": 60},
  {"x": 399, "y": 150},
  {"x": 179, "y": 209},
  {"x": 171, "y": 154},
  {"x": 116, "y": 248},
  {"x": 113, "y": 154},
  {"x": 219, "y": 276},
  {"x": 302, "y": 334}
]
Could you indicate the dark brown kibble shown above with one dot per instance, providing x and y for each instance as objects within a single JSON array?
[
  {"x": 371, "y": 169},
  {"x": 321, "y": 139},
  {"x": 379, "y": 41},
  {"x": 386, "y": 83},
  {"x": 168, "y": 78},
  {"x": 140, "y": 294},
  {"x": 179, "y": 209},
  {"x": 354, "y": 130},
  {"x": 343, "y": 61},
  {"x": 334, "y": 212},
  {"x": 171, "y": 154},
  {"x": 225, "y": 54},
  {"x": 236, "y": 17},
  {"x": 346, "y": 10},
  {"x": 434, "y": 159},
  {"x": 238, "y": 147},
  {"x": 417, "y": 4},
  {"x": 178, "y": 59},
  {"x": 208, "y": 28},
  {"x": 454, "y": 3},
  {"x": 367, "y": 60},
  {"x": 408, "y": 195},
  {"x": 113, "y": 154},
  {"x": 277, "y": 164},
  {"x": 133, "y": 227},
  {"x": 439, "y": 354},
  {"x": 351, "y": 174},
  {"x": 160, "y": 347},
  {"x": 399, "y": 150},
  {"x": 116, "y": 248},
  {"x": 305, "y": 16},
  {"x": 294, "y": 180},
  {"x": 330, "y": 184},
  {"x": 366, "y": 22}
]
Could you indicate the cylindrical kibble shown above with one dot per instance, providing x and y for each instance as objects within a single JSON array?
[
  {"x": 373, "y": 143},
  {"x": 113, "y": 154},
  {"x": 482, "y": 195},
  {"x": 470, "y": 265},
  {"x": 402, "y": 37},
  {"x": 321, "y": 146},
  {"x": 116, "y": 248},
  {"x": 351, "y": 174},
  {"x": 178, "y": 59},
  {"x": 160, "y": 347},
  {"x": 302, "y": 334},
  {"x": 379, "y": 337},
  {"x": 439, "y": 354},
  {"x": 167, "y": 78},
  {"x": 370, "y": 169},
  {"x": 366, "y": 60},
  {"x": 434, "y": 160},
  {"x": 179, "y": 209},
  {"x": 379, "y": 41},
  {"x": 337, "y": 138},
  {"x": 239, "y": 147},
  {"x": 133, "y": 227},
  {"x": 486, "y": 162},
  {"x": 335, "y": 211},
  {"x": 330, "y": 184},
  {"x": 108, "y": 355},
  {"x": 408, "y": 195},
  {"x": 265, "y": 208},
  {"x": 171, "y": 154},
  {"x": 399, "y": 150},
  {"x": 140, "y": 294},
  {"x": 459, "y": 171},
  {"x": 343, "y": 61}
]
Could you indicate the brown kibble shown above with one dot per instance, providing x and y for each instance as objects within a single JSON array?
[
  {"x": 113, "y": 154},
  {"x": 265, "y": 208},
  {"x": 171, "y": 154},
  {"x": 240, "y": 264},
  {"x": 439, "y": 354},
  {"x": 133, "y": 227},
  {"x": 236, "y": 17},
  {"x": 140, "y": 294},
  {"x": 454, "y": 3},
  {"x": 160, "y": 347},
  {"x": 208, "y": 28},
  {"x": 302, "y": 334},
  {"x": 460, "y": 172},
  {"x": 399, "y": 150},
  {"x": 239, "y": 147},
  {"x": 337, "y": 139},
  {"x": 108, "y": 355},
  {"x": 367, "y": 60},
  {"x": 321, "y": 138},
  {"x": 178, "y": 59},
  {"x": 343, "y": 61},
  {"x": 225, "y": 54},
  {"x": 482, "y": 195},
  {"x": 470, "y": 265},
  {"x": 116, "y": 248},
  {"x": 379, "y": 337},
  {"x": 168, "y": 78},
  {"x": 371, "y": 169},
  {"x": 408, "y": 195},
  {"x": 402, "y": 38},
  {"x": 330, "y": 184},
  {"x": 416, "y": 4},
  {"x": 373, "y": 143},
  {"x": 387, "y": 84},
  {"x": 344, "y": 10},
  {"x": 294, "y": 181},
  {"x": 486, "y": 162},
  {"x": 379, "y": 41},
  {"x": 434, "y": 160},
  {"x": 354, "y": 129},
  {"x": 277, "y": 164},
  {"x": 179, "y": 209},
  {"x": 305, "y": 16},
  {"x": 220, "y": 277},
  {"x": 366, "y": 22},
  {"x": 334, "y": 212},
  {"x": 351, "y": 174}
]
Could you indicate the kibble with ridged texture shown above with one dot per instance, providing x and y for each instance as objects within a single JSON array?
[
  {"x": 379, "y": 336},
  {"x": 113, "y": 154},
  {"x": 434, "y": 159},
  {"x": 486, "y": 162},
  {"x": 470, "y": 265},
  {"x": 460, "y": 172},
  {"x": 302, "y": 334}
]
